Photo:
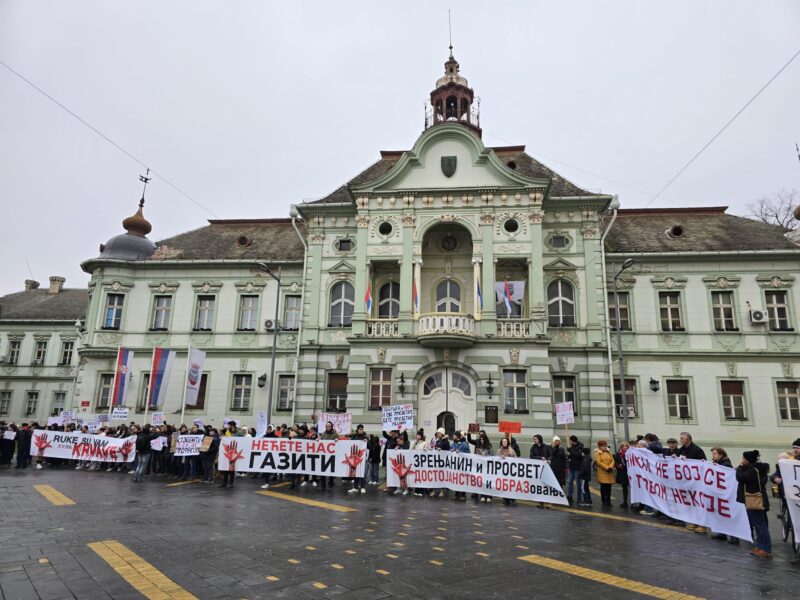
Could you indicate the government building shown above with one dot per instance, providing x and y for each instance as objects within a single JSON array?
[{"x": 471, "y": 281}]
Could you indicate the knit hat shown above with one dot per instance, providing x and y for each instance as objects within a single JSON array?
[
  {"x": 672, "y": 441},
  {"x": 441, "y": 431},
  {"x": 556, "y": 439},
  {"x": 751, "y": 456},
  {"x": 796, "y": 443},
  {"x": 573, "y": 438}
]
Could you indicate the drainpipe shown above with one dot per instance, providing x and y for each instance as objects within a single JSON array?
[
  {"x": 613, "y": 205},
  {"x": 294, "y": 214}
]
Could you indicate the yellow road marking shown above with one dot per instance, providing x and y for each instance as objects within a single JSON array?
[
  {"x": 438, "y": 563},
  {"x": 176, "y": 484},
  {"x": 398, "y": 544},
  {"x": 294, "y": 561},
  {"x": 439, "y": 537},
  {"x": 612, "y": 517},
  {"x": 382, "y": 486},
  {"x": 53, "y": 495},
  {"x": 438, "y": 549},
  {"x": 521, "y": 547},
  {"x": 308, "y": 502},
  {"x": 43, "y": 561},
  {"x": 517, "y": 537},
  {"x": 360, "y": 540},
  {"x": 442, "y": 528},
  {"x": 381, "y": 571},
  {"x": 402, "y": 533},
  {"x": 319, "y": 586},
  {"x": 372, "y": 522},
  {"x": 478, "y": 533},
  {"x": 140, "y": 574},
  {"x": 482, "y": 554},
  {"x": 337, "y": 566},
  {"x": 310, "y": 548},
  {"x": 480, "y": 542},
  {"x": 273, "y": 578},
  {"x": 392, "y": 555},
  {"x": 612, "y": 580},
  {"x": 406, "y": 524},
  {"x": 370, "y": 530},
  {"x": 324, "y": 537},
  {"x": 350, "y": 552}
]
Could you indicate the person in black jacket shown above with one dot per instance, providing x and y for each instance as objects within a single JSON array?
[
  {"x": 209, "y": 456},
  {"x": 443, "y": 444},
  {"x": 621, "y": 466},
  {"x": 558, "y": 461},
  {"x": 584, "y": 497},
  {"x": 358, "y": 483},
  {"x": 24, "y": 436},
  {"x": 575, "y": 455},
  {"x": 752, "y": 477},
  {"x": 373, "y": 459},
  {"x": 539, "y": 450},
  {"x": 143, "y": 452},
  {"x": 689, "y": 449}
]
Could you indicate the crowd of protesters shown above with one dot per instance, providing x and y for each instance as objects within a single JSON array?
[{"x": 574, "y": 467}]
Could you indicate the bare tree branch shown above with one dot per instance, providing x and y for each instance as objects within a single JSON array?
[{"x": 777, "y": 209}]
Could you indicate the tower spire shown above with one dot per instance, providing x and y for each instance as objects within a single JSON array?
[{"x": 450, "y": 30}]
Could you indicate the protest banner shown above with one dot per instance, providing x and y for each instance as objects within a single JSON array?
[
  {"x": 9, "y": 435},
  {"x": 199, "y": 423},
  {"x": 398, "y": 417},
  {"x": 342, "y": 422},
  {"x": 103, "y": 418},
  {"x": 119, "y": 413},
  {"x": 188, "y": 445},
  {"x": 157, "y": 419},
  {"x": 565, "y": 413},
  {"x": 206, "y": 445},
  {"x": 66, "y": 416},
  {"x": 261, "y": 423},
  {"x": 517, "y": 478},
  {"x": 509, "y": 427},
  {"x": 83, "y": 446},
  {"x": 339, "y": 458},
  {"x": 54, "y": 421},
  {"x": 790, "y": 474},
  {"x": 474, "y": 428},
  {"x": 227, "y": 420},
  {"x": 93, "y": 426},
  {"x": 695, "y": 491},
  {"x": 158, "y": 443}
]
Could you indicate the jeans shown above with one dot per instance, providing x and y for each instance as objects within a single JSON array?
[
  {"x": 586, "y": 496},
  {"x": 373, "y": 472},
  {"x": 144, "y": 460},
  {"x": 574, "y": 475},
  {"x": 758, "y": 522},
  {"x": 208, "y": 468}
]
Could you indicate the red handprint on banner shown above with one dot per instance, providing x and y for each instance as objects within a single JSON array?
[
  {"x": 232, "y": 454},
  {"x": 354, "y": 459},
  {"x": 42, "y": 444},
  {"x": 125, "y": 450},
  {"x": 402, "y": 470}
]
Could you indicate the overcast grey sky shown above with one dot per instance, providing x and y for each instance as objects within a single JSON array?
[{"x": 252, "y": 106}]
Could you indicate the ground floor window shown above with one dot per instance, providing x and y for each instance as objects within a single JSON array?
[{"x": 241, "y": 392}]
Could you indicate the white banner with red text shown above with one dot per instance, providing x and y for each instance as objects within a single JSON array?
[
  {"x": 331, "y": 458},
  {"x": 82, "y": 446},
  {"x": 515, "y": 478},
  {"x": 694, "y": 491},
  {"x": 790, "y": 476}
]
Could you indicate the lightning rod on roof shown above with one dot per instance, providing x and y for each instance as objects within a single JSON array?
[{"x": 145, "y": 179}]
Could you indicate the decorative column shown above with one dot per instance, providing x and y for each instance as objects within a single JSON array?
[
  {"x": 488, "y": 315},
  {"x": 362, "y": 272},
  {"x": 418, "y": 283},
  {"x": 476, "y": 277},
  {"x": 591, "y": 249},
  {"x": 536, "y": 292},
  {"x": 406, "y": 276}
]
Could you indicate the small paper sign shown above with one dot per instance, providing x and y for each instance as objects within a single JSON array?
[
  {"x": 157, "y": 419},
  {"x": 119, "y": 413},
  {"x": 510, "y": 427}
]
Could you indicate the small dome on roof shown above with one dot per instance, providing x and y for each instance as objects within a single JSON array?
[{"x": 134, "y": 244}]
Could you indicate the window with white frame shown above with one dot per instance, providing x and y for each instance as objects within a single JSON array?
[
  {"x": 59, "y": 403},
  {"x": 5, "y": 402},
  {"x": 389, "y": 300},
  {"x": 40, "y": 352},
  {"x": 113, "y": 316},
  {"x": 162, "y": 308},
  {"x": 432, "y": 383},
  {"x": 14, "y": 347},
  {"x": 291, "y": 312},
  {"x": 285, "y": 392},
  {"x": 248, "y": 313},
  {"x": 105, "y": 384},
  {"x": 723, "y": 311},
  {"x": 679, "y": 404},
  {"x": 630, "y": 397},
  {"x": 31, "y": 404},
  {"x": 462, "y": 383},
  {"x": 515, "y": 390},
  {"x": 342, "y": 304},
  {"x": 448, "y": 297},
  {"x": 734, "y": 406},
  {"x": 564, "y": 391},
  {"x": 67, "y": 349},
  {"x": 380, "y": 388},
  {"x": 242, "y": 391},
  {"x": 777, "y": 310},
  {"x": 144, "y": 390},
  {"x": 670, "y": 308},
  {"x": 789, "y": 400},
  {"x": 204, "y": 316},
  {"x": 624, "y": 311},
  {"x": 560, "y": 304}
]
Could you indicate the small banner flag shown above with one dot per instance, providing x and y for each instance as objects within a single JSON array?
[
  {"x": 368, "y": 298},
  {"x": 194, "y": 375},
  {"x": 122, "y": 376},
  {"x": 480, "y": 293},
  {"x": 415, "y": 295}
]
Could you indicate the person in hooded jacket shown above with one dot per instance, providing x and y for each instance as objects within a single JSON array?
[
  {"x": 558, "y": 461},
  {"x": 373, "y": 459},
  {"x": 752, "y": 477},
  {"x": 575, "y": 456},
  {"x": 459, "y": 446},
  {"x": 210, "y": 456},
  {"x": 440, "y": 443},
  {"x": 143, "y": 450},
  {"x": 24, "y": 435}
]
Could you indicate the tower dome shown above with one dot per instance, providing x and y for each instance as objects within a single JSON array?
[
  {"x": 133, "y": 244},
  {"x": 452, "y": 99}
]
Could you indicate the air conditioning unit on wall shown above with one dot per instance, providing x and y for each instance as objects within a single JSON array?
[
  {"x": 758, "y": 316},
  {"x": 269, "y": 325},
  {"x": 631, "y": 412}
]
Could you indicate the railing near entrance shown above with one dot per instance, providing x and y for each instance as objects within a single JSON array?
[
  {"x": 513, "y": 328},
  {"x": 446, "y": 324},
  {"x": 379, "y": 328}
]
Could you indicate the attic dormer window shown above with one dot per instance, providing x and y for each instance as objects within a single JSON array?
[
  {"x": 244, "y": 241},
  {"x": 676, "y": 231}
]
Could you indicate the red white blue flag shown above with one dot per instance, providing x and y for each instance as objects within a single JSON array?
[
  {"x": 368, "y": 298},
  {"x": 507, "y": 297},
  {"x": 163, "y": 361},
  {"x": 122, "y": 376},
  {"x": 415, "y": 295}
]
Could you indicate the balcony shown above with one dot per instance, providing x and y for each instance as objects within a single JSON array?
[
  {"x": 513, "y": 328},
  {"x": 446, "y": 330},
  {"x": 383, "y": 328}
]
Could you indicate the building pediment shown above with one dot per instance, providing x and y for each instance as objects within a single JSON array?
[
  {"x": 560, "y": 264},
  {"x": 342, "y": 267}
]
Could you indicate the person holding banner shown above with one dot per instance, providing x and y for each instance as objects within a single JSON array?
[
  {"x": 443, "y": 444},
  {"x": 8, "y": 433},
  {"x": 359, "y": 483},
  {"x": 506, "y": 451},
  {"x": 209, "y": 456},
  {"x": 420, "y": 444},
  {"x": 373, "y": 459},
  {"x": 752, "y": 475},
  {"x": 326, "y": 483}
]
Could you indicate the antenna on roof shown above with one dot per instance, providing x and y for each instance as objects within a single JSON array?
[
  {"x": 450, "y": 30},
  {"x": 27, "y": 264},
  {"x": 145, "y": 179}
]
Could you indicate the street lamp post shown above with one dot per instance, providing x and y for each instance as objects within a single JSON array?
[
  {"x": 265, "y": 268},
  {"x": 626, "y": 265}
]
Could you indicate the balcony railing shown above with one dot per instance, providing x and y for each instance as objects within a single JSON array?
[
  {"x": 382, "y": 328},
  {"x": 446, "y": 329},
  {"x": 513, "y": 328}
]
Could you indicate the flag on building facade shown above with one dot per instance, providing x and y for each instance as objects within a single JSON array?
[
  {"x": 122, "y": 376},
  {"x": 415, "y": 295},
  {"x": 194, "y": 374},
  {"x": 163, "y": 361},
  {"x": 368, "y": 298},
  {"x": 480, "y": 294}
]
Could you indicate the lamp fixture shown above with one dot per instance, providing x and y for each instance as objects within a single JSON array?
[
  {"x": 262, "y": 380},
  {"x": 490, "y": 386},
  {"x": 401, "y": 384},
  {"x": 655, "y": 385}
]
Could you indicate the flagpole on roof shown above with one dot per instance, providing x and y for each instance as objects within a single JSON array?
[{"x": 185, "y": 382}]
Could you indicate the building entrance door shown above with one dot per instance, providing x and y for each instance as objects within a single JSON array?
[{"x": 446, "y": 399}]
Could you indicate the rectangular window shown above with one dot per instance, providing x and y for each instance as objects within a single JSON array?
[
  {"x": 789, "y": 400},
  {"x": 778, "y": 310},
  {"x": 59, "y": 403},
  {"x": 515, "y": 391},
  {"x": 564, "y": 391},
  {"x": 630, "y": 397},
  {"x": 337, "y": 392},
  {"x": 722, "y": 307},
  {"x": 5, "y": 402},
  {"x": 141, "y": 401},
  {"x": 13, "y": 351},
  {"x": 242, "y": 391},
  {"x": 679, "y": 405},
  {"x": 380, "y": 388},
  {"x": 285, "y": 392},
  {"x": 67, "y": 348},
  {"x": 624, "y": 312},
  {"x": 291, "y": 312},
  {"x": 113, "y": 318},
  {"x": 162, "y": 308},
  {"x": 733, "y": 401},
  {"x": 204, "y": 318},
  {"x": 670, "y": 304},
  {"x": 248, "y": 313},
  {"x": 104, "y": 390},
  {"x": 31, "y": 403},
  {"x": 40, "y": 352}
]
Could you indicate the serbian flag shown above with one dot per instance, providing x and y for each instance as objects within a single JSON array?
[
  {"x": 163, "y": 360},
  {"x": 507, "y": 297},
  {"x": 122, "y": 376},
  {"x": 368, "y": 297},
  {"x": 415, "y": 295},
  {"x": 480, "y": 294}
]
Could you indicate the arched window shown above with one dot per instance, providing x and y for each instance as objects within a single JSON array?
[
  {"x": 434, "y": 382},
  {"x": 342, "y": 296},
  {"x": 451, "y": 107},
  {"x": 560, "y": 304},
  {"x": 448, "y": 297},
  {"x": 464, "y": 109},
  {"x": 389, "y": 300},
  {"x": 462, "y": 383}
]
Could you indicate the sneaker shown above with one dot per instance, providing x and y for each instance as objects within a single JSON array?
[
  {"x": 265, "y": 486},
  {"x": 691, "y": 527},
  {"x": 483, "y": 499},
  {"x": 405, "y": 492},
  {"x": 109, "y": 469},
  {"x": 78, "y": 468},
  {"x": 305, "y": 483},
  {"x": 363, "y": 490},
  {"x": 647, "y": 513},
  {"x": 314, "y": 483},
  {"x": 398, "y": 491},
  {"x": 488, "y": 501},
  {"x": 38, "y": 465},
  {"x": 352, "y": 491},
  {"x": 441, "y": 494},
  {"x": 418, "y": 495}
]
